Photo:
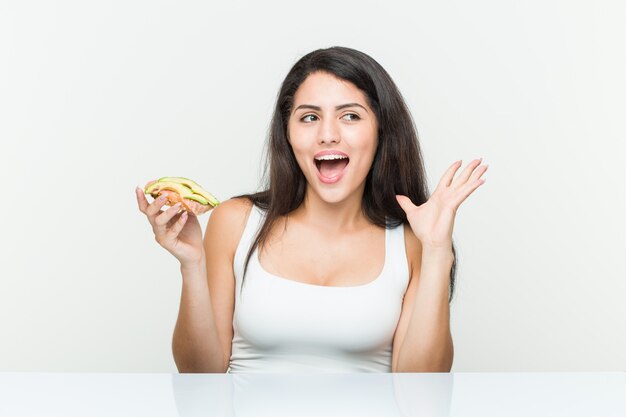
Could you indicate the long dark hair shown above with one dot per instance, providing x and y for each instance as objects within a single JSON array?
[{"x": 398, "y": 167}]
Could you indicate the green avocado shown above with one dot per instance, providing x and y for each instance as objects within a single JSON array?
[
  {"x": 194, "y": 187},
  {"x": 198, "y": 198},
  {"x": 154, "y": 189}
]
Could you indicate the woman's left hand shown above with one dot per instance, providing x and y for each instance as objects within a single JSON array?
[{"x": 433, "y": 221}]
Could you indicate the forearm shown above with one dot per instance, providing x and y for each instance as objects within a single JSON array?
[
  {"x": 427, "y": 346},
  {"x": 195, "y": 343}
]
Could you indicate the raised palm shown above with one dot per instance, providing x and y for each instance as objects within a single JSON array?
[{"x": 433, "y": 222}]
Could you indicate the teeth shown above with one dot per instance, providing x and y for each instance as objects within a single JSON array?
[{"x": 330, "y": 157}]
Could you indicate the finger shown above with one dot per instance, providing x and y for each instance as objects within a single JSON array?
[
  {"x": 141, "y": 196},
  {"x": 478, "y": 173},
  {"x": 174, "y": 219},
  {"x": 178, "y": 225},
  {"x": 449, "y": 174},
  {"x": 141, "y": 200},
  {"x": 162, "y": 219},
  {"x": 468, "y": 190},
  {"x": 154, "y": 207},
  {"x": 405, "y": 203},
  {"x": 464, "y": 176}
]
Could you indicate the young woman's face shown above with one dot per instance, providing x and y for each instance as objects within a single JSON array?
[{"x": 334, "y": 135}]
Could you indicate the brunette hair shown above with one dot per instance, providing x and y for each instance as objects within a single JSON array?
[{"x": 397, "y": 168}]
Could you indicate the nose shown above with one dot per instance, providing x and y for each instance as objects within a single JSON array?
[
  {"x": 329, "y": 132},
  {"x": 329, "y": 141}
]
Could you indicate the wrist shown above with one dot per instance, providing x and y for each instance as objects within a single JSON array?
[
  {"x": 439, "y": 252},
  {"x": 193, "y": 265}
]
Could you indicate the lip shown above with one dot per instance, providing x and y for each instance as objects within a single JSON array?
[
  {"x": 330, "y": 152},
  {"x": 336, "y": 178}
]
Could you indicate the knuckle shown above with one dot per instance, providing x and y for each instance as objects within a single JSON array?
[{"x": 161, "y": 240}]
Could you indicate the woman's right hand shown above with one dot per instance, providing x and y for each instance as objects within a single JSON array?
[{"x": 179, "y": 233}]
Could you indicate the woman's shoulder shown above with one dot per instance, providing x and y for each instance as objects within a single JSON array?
[
  {"x": 228, "y": 220},
  {"x": 233, "y": 209}
]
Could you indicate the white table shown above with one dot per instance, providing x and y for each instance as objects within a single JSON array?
[{"x": 323, "y": 395}]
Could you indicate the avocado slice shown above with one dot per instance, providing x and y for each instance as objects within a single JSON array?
[
  {"x": 154, "y": 189},
  {"x": 198, "y": 198},
  {"x": 194, "y": 186}
]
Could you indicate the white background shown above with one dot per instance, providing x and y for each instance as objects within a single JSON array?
[{"x": 99, "y": 97}]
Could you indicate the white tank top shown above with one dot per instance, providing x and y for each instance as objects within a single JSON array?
[{"x": 281, "y": 325}]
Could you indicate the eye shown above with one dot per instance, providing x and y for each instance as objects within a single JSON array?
[
  {"x": 304, "y": 119},
  {"x": 355, "y": 117}
]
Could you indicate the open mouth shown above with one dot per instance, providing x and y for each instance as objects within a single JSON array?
[{"x": 331, "y": 167}]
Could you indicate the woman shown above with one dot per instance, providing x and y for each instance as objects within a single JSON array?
[{"x": 343, "y": 263}]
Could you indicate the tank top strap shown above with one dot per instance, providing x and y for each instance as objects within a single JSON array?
[
  {"x": 396, "y": 251},
  {"x": 249, "y": 233}
]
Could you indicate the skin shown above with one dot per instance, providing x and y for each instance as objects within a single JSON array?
[
  {"x": 329, "y": 225},
  {"x": 326, "y": 241},
  {"x": 329, "y": 241},
  {"x": 353, "y": 130}
]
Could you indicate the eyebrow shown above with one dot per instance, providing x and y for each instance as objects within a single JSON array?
[{"x": 339, "y": 107}]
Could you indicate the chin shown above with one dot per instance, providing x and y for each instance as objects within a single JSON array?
[
  {"x": 330, "y": 193},
  {"x": 332, "y": 196}
]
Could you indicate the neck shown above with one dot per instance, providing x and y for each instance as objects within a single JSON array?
[{"x": 345, "y": 215}]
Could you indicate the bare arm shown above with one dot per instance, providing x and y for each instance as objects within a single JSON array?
[
  {"x": 423, "y": 342},
  {"x": 203, "y": 334},
  {"x": 195, "y": 343},
  {"x": 427, "y": 346}
]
